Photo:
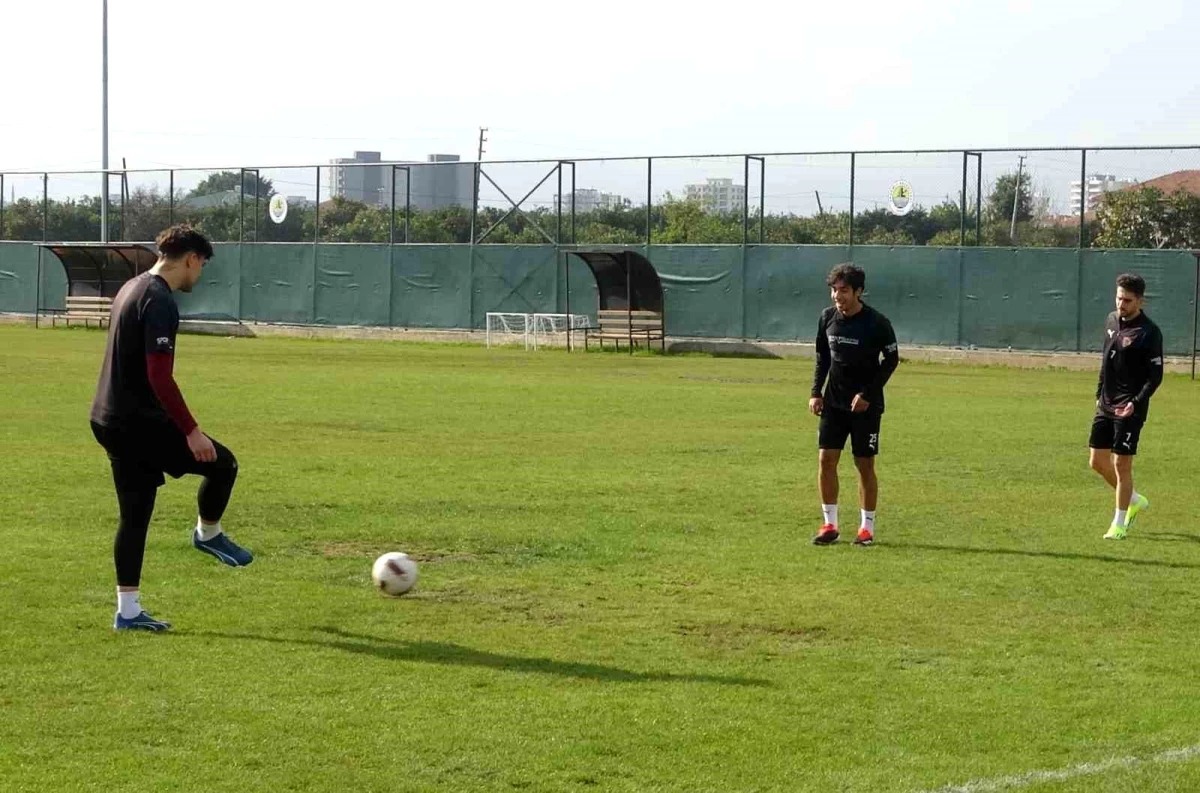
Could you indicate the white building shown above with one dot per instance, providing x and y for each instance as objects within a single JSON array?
[
  {"x": 1097, "y": 185},
  {"x": 717, "y": 195},
  {"x": 589, "y": 199}
]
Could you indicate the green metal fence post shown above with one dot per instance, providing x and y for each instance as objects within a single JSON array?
[
  {"x": 962, "y": 206},
  {"x": 850, "y": 243},
  {"x": 1082, "y": 193}
]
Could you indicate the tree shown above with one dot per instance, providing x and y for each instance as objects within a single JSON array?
[
  {"x": 73, "y": 220},
  {"x": 1148, "y": 218},
  {"x": 22, "y": 220},
  {"x": 1000, "y": 201},
  {"x": 146, "y": 212},
  {"x": 947, "y": 216},
  {"x": 949, "y": 239},
  {"x": 343, "y": 220},
  {"x": 227, "y": 181},
  {"x": 607, "y": 226},
  {"x": 687, "y": 222}
]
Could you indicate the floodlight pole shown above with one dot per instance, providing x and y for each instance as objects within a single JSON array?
[{"x": 104, "y": 127}]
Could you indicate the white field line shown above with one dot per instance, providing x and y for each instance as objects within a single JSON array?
[{"x": 1017, "y": 781}]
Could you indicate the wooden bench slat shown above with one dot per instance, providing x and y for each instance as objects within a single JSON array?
[
  {"x": 637, "y": 323},
  {"x": 627, "y": 331},
  {"x": 622, "y": 336},
  {"x": 629, "y": 326},
  {"x": 86, "y": 309}
]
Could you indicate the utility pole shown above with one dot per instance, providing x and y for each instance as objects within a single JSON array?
[
  {"x": 1012, "y": 229},
  {"x": 479, "y": 159}
]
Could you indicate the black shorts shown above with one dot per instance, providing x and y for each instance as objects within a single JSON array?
[
  {"x": 140, "y": 456},
  {"x": 1119, "y": 435},
  {"x": 861, "y": 428}
]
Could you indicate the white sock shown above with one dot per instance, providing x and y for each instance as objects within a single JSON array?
[
  {"x": 206, "y": 531},
  {"x": 129, "y": 604},
  {"x": 1120, "y": 517},
  {"x": 830, "y": 513},
  {"x": 868, "y": 520}
]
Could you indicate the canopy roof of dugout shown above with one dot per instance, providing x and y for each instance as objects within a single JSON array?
[
  {"x": 101, "y": 269},
  {"x": 626, "y": 280}
]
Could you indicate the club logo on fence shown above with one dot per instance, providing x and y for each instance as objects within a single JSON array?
[
  {"x": 900, "y": 200},
  {"x": 278, "y": 208}
]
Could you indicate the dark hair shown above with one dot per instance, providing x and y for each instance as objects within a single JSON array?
[
  {"x": 180, "y": 240},
  {"x": 1132, "y": 283},
  {"x": 849, "y": 274}
]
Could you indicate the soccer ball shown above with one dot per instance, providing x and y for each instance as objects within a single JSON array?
[{"x": 394, "y": 573}]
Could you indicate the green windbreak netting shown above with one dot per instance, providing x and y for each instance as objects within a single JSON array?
[
  {"x": 431, "y": 286},
  {"x": 1027, "y": 298}
]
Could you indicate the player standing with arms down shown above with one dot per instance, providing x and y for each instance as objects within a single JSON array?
[
  {"x": 856, "y": 349},
  {"x": 140, "y": 419},
  {"x": 1130, "y": 372}
]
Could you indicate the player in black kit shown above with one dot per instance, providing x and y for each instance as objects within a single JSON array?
[
  {"x": 856, "y": 349},
  {"x": 140, "y": 419},
  {"x": 1130, "y": 372}
]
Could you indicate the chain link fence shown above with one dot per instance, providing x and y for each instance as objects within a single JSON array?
[{"x": 1144, "y": 198}]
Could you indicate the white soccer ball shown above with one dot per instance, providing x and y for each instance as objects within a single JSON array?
[{"x": 394, "y": 573}]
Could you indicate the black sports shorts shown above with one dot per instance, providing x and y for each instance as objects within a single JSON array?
[
  {"x": 141, "y": 455},
  {"x": 1119, "y": 435},
  {"x": 861, "y": 428}
]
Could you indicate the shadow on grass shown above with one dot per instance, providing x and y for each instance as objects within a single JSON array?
[
  {"x": 1081, "y": 557},
  {"x": 457, "y": 655}
]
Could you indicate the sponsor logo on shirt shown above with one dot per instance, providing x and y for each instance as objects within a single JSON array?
[
  {"x": 1111, "y": 332},
  {"x": 843, "y": 340}
]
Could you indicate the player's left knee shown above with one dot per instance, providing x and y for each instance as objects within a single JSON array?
[{"x": 226, "y": 463}]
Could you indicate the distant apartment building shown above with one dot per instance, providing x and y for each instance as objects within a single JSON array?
[
  {"x": 1096, "y": 186},
  {"x": 589, "y": 200},
  {"x": 441, "y": 180},
  {"x": 717, "y": 195},
  {"x": 351, "y": 179}
]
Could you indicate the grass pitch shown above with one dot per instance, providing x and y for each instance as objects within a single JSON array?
[{"x": 617, "y": 588}]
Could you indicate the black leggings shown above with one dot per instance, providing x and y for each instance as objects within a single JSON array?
[{"x": 137, "y": 472}]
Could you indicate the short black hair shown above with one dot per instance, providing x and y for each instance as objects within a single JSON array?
[
  {"x": 180, "y": 240},
  {"x": 1131, "y": 282},
  {"x": 849, "y": 274}
]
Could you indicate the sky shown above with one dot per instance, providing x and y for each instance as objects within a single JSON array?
[{"x": 252, "y": 83}]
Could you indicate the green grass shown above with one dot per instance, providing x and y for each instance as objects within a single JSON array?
[{"x": 617, "y": 588}]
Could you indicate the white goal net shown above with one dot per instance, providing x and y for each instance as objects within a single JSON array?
[
  {"x": 551, "y": 329},
  {"x": 534, "y": 330},
  {"x": 504, "y": 328}
]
